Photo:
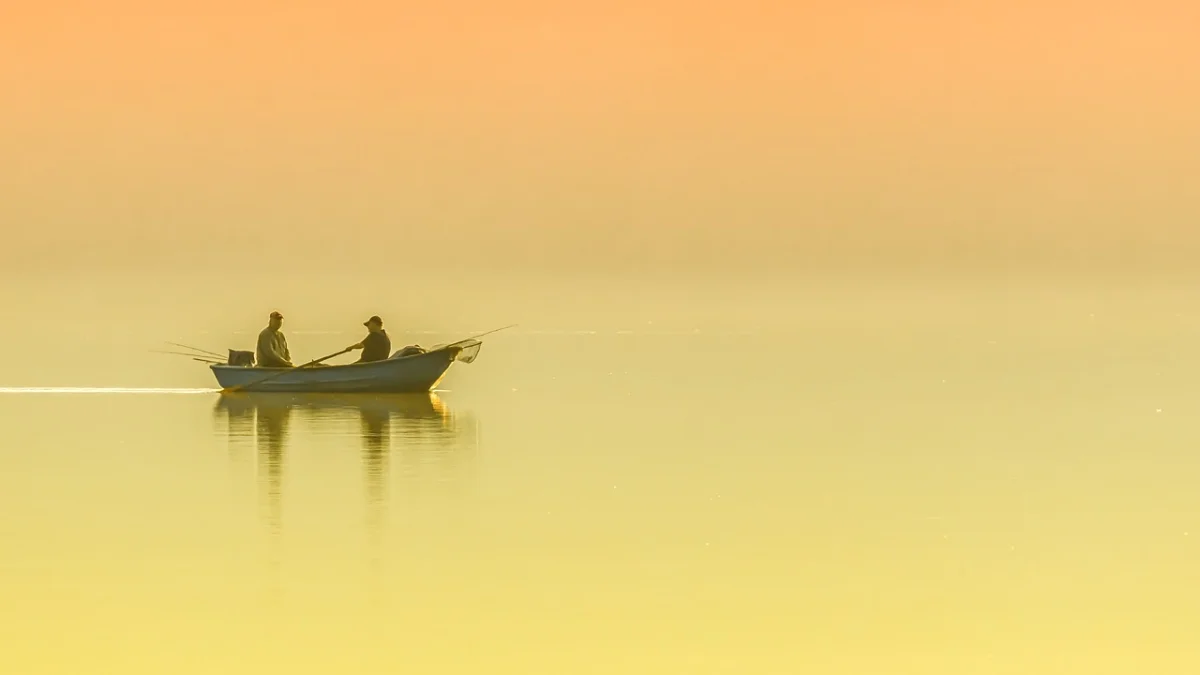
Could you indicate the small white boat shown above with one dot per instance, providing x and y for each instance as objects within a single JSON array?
[{"x": 396, "y": 375}]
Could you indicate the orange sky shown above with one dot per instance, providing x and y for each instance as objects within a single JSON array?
[{"x": 569, "y": 135}]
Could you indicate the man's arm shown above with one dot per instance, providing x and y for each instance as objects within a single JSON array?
[
  {"x": 264, "y": 348},
  {"x": 360, "y": 345}
]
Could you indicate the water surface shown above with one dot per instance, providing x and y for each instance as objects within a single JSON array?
[{"x": 877, "y": 479}]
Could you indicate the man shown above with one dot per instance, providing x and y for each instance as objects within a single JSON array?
[
  {"x": 272, "y": 349},
  {"x": 377, "y": 346}
]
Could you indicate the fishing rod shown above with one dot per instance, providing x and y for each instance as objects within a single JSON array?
[
  {"x": 160, "y": 351},
  {"x": 191, "y": 356},
  {"x": 197, "y": 349},
  {"x": 496, "y": 330},
  {"x": 474, "y": 337}
]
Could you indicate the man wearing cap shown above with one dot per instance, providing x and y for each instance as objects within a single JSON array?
[
  {"x": 272, "y": 349},
  {"x": 377, "y": 346}
]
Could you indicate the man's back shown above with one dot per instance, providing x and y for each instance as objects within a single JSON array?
[
  {"x": 272, "y": 349},
  {"x": 376, "y": 347}
]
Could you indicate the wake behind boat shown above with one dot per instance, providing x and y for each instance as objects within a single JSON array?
[{"x": 412, "y": 373}]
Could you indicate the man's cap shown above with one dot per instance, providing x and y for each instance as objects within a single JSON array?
[
  {"x": 276, "y": 315},
  {"x": 374, "y": 319}
]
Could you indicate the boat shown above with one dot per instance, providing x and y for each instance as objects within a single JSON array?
[{"x": 400, "y": 374}]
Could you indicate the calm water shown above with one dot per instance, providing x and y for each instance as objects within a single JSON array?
[{"x": 828, "y": 479}]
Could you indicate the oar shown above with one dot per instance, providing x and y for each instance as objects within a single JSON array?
[{"x": 285, "y": 371}]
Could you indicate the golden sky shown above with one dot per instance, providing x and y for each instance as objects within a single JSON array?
[{"x": 579, "y": 135}]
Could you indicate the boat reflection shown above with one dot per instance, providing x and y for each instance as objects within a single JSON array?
[{"x": 417, "y": 428}]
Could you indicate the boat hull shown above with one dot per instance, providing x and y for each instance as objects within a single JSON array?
[{"x": 409, "y": 374}]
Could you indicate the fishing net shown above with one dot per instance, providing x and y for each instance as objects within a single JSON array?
[{"x": 468, "y": 349}]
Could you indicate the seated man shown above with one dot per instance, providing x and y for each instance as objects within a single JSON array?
[
  {"x": 272, "y": 349},
  {"x": 377, "y": 346}
]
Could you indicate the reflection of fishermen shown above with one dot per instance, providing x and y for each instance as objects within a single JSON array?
[
  {"x": 377, "y": 346},
  {"x": 272, "y": 349}
]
